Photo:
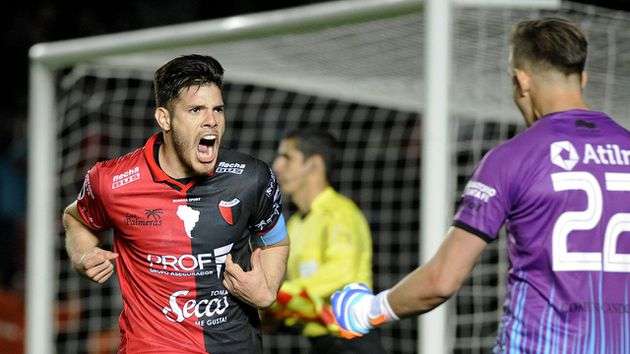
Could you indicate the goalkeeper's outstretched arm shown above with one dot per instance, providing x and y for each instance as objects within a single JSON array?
[{"x": 357, "y": 310}]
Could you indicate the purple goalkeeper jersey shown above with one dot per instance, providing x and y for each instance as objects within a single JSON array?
[{"x": 562, "y": 188}]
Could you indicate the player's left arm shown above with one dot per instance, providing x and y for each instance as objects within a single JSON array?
[
  {"x": 274, "y": 264},
  {"x": 258, "y": 286},
  {"x": 430, "y": 285}
]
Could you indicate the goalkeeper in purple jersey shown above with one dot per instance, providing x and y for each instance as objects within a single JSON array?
[{"x": 562, "y": 188}]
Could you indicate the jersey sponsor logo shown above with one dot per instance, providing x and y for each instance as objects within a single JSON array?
[
  {"x": 231, "y": 167},
  {"x": 86, "y": 188},
  {"x": 189, "y": 216},
  {"x": 230, "y": 210},
  {"x": 200, "y": 264},
  {"x": 479, "y": 190},
  {"x": 126, "y": 177},
  {"x": 86, "y": 212},
  {"x": 271, "y": 185},
  {"x": 608, "y": 154},
  {"x": 186, "y": 200},
  {"x": 272, "y": 192},
  {"x": 152, "y": 217},
  {"x": 607, "y": 307},
  {"x": 207, "y": 312},
  {"x": 563, "y": 155},
  {"x": 263, "y": 224}
]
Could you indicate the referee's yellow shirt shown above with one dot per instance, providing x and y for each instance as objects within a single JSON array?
[{"x": 331, "y": 246}]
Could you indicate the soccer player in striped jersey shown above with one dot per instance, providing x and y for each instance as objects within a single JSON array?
[
  {"x": 199, "y": 239},
  {"x": 562, "y": 188}
]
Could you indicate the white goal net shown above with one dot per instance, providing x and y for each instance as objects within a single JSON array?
[{"x": 363, "y": 80}]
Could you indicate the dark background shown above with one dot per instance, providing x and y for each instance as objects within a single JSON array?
[{"x": 28, "y": 22}]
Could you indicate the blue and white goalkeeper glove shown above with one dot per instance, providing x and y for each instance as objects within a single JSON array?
[{"x": 357, "y": 310}]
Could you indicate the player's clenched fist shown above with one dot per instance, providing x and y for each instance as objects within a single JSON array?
[
  {"x": 357, "y": 310},
  {"x": 96, "y": 264}
]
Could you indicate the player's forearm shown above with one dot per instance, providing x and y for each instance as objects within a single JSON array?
[
  {"x": 79, "y": 239},
  {"x": 357, "y": 310},
  {"x": 430, "y": 285},
  {"x": 274, "y": 260},
  {"x": 418, "y": 292}
]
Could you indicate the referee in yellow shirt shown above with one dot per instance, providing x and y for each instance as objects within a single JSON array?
[{"x": 331, "y": 244}]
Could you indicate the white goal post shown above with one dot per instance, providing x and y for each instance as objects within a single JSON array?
[{"x": 441, "y": 61}]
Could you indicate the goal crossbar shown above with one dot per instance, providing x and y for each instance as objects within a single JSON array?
[{"x": 298, "y": 19}]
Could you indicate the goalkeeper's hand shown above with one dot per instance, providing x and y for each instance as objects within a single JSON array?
[{"x": 357, "y": 310}]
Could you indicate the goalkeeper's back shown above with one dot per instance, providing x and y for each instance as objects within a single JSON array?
[{"x": 563, "y": 189}]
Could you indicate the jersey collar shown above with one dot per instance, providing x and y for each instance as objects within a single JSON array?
[
  {"x": 322, "y": 198},
  {"x": 156, "y": 171}
]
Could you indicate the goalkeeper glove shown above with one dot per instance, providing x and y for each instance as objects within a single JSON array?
[
  {"x": 357, "y": 310},
  {"x": 299, "y": 305}
]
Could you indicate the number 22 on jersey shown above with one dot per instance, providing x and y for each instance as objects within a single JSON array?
[{"x": 608, "y": 260}]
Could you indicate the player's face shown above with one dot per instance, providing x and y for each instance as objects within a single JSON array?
[
  {"x": 197, "y": 126},
  {"x": 289, "y": 165}
]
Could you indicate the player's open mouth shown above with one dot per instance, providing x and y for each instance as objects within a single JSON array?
[{"x": 206, "y": 148}]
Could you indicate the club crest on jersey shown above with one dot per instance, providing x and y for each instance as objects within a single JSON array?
[{"x": 230, "y": 210}]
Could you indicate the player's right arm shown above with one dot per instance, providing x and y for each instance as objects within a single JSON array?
[
  {"x": 357, "y": 310},
  {"x": 82, "y": 220},
  {"x": 82, "y": 247}
]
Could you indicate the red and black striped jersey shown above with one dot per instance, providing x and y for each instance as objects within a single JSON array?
[{"x": 173, "y": 239}]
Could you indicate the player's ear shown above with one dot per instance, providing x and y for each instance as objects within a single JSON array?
[
  {"x": 163, "y": 118},
  {"x": 583, "y": 79},
  {"x": 316, "y": 163},
  {"x": 523, "y": 81}
]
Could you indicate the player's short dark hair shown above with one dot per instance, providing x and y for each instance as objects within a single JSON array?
[
  {"x": 182, "y": 72},
  {"x": 549, "y": 43},
  {"x": 316, "y": 141}
]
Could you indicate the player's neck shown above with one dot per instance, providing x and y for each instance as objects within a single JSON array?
[
  {"x": 304, "y": 198},
  {"x": 558, "y": 101},
  {"x": 170, "y": 163}
]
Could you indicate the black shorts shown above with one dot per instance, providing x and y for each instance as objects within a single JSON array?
[{"x": 367, "y": 344}]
